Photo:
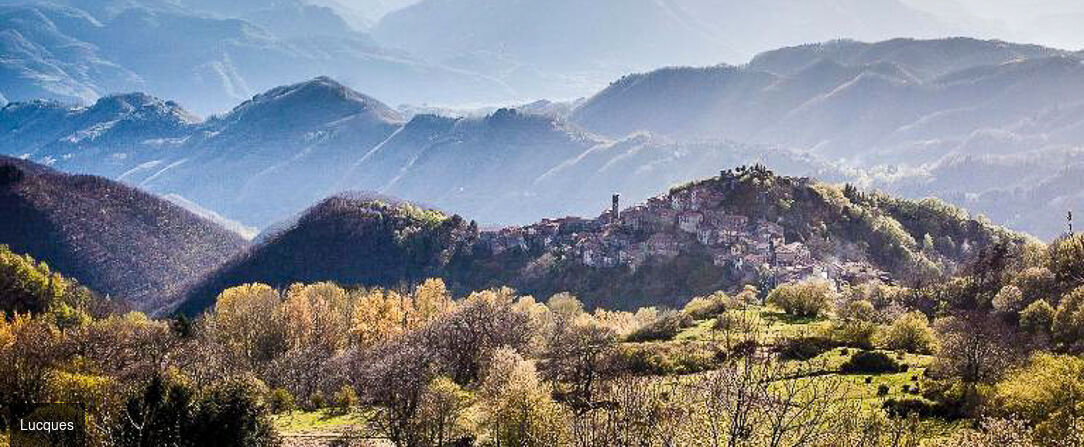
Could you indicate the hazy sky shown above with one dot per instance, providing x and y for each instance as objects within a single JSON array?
[{"x": 1048, "y": 22}]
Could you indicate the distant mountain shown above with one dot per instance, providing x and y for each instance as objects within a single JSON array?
[
  {"x": 564, "y": 48},
  {"x": 107, "y": 138},
  {"x": 113, "y": 238},
  {"x": 902, "y": 98},
  {"x": 292, "y": 146},
  {"x": 739, "y": 227},
  {"x": 211, "y": 55},
  {"x": 910, "y": 117}
]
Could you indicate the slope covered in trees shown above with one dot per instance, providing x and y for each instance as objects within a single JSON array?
[
  {"x": 115, "y": 239},
  {"x": 349, "y": 239}
]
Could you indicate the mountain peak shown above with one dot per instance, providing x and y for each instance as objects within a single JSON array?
[
  {"x": 144, "y": 104},
  {"x": 319, "y": 99}
]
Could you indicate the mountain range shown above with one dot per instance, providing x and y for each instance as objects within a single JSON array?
[
  {"x": 950, "y": 118},
  {"x": 564, "y": 48},
  {"x": 288, "y": 148},
  {"x": 209, "y": 55},
  {"x": 113, "y": 238}
]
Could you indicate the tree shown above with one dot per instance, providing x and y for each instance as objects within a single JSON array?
[
  {"x": 484, "y": 322},
  {"x": 158, "y": 414},
  {"x": 1067, "y": 261},
  {"x": 431, "y": 300},
  {"x": 516, "y": 405},
  {"x": 910, "y": 333},
  {"x": 29, "y": 350},
  {"x": 441, "y": 412},
  {"x": 378, "y": 315},
  {"x": 393, "y": 378},
  {"x": 1068, "y": 326},
  {"x": 30, "y": 286},
  {"x": 248, "y": 320},
  {"x": 1009, "y": 300},
  {"x": 232, "y": 413},
  {"x": 316, "y": 316},
  {"x": 1037, "y": 318},
  {"x": 574, "y": 358},
  {"x": 975, "y": 350},
  {"x": 1047, "y": 392},
  {"x": 856, "y": 324}
]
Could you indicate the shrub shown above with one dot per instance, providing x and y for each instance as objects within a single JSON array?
[
  {"x": 882, "y": 390},
  {"x": 902, "y": 408},
  {"x": 316, "y": 401},
  {"x": 702, "y": 308},
  {"x": 870, "y": 362},
  {"x": 280, "y": 401},
  {"x": 737, "y": 321},
  {"x": 857, "y": 310},
  {"x": 804, "y": 348},
  {"x": 1045, "y": 392},
  {"x": 665, "y": 327},
  {"x": 667, "y": 359},
  {"x": 803, "y": 299},
  {"x": 910, "y": 333},
  {"x": 855, "y": 333},
  {"x": 344, "y": 400}
]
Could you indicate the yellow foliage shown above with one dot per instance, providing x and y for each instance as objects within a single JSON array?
[
  {"x": 431, "y": 300},
  {"x": 1048, "y": 392},
  {"x": 378, "y": 315},
  {"x": 248, "y": 319},
  {"x": 317, "y": 316}
]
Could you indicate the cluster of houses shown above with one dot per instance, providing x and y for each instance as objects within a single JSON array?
[{"x": 664, "y": 227}]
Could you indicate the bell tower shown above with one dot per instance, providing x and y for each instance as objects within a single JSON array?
[{"x": 615, "y": 212}]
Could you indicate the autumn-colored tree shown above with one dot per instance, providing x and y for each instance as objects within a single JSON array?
[
  {"x": 516, "y": 405},
  {"x": 1066, "y": 260},
  {"x": 1037, "y": 318},
  {"x": 378, "y": 315},
  {"x": 442, "y": 413},
  {"x": 29, "y": 350},
  {"x": 316, "y": 316},
  {"x": 431, "y": 300},
  {"x": 248, "y": 320}
]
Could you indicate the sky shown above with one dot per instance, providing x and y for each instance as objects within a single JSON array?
[{"x": 1055, "y": 23}]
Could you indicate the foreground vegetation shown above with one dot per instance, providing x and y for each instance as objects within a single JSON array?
[{"x": 989, "y": 357}]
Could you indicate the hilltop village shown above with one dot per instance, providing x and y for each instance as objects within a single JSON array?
[{"x": 695, "y": 217}]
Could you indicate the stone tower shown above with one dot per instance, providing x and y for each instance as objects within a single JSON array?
[{"x": 615, "y": 212}]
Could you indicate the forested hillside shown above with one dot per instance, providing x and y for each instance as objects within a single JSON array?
[
  {"x": 745, "y": 226},
  {"x": 115, "y": 239},
  {"x": 349, "y": 239}
]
